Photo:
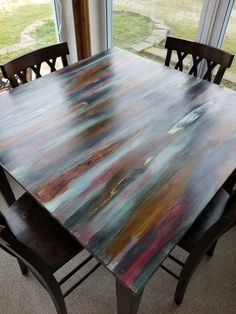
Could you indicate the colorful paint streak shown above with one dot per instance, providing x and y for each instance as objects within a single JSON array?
[{"x": 123, "y": 152}]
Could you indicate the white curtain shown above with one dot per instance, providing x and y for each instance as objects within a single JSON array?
[{"x": 64, "y": 25}]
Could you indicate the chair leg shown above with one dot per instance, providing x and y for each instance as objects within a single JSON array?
[
  {"x": 49, "y": 282},
  {"x": 205, "y": 244},
  {"x": 6, "y": 189},
  {"x": 23, "y": 268},
  {"x": 210, "y": 252},
  {"x": 57, "y": 298},
  {"x": 187, "y": 271},
  {"x": 41, "y": 271},
  {"x": 183, "y": 281}
]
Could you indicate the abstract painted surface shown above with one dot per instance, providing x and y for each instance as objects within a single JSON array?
[{"x": 123, "y": 152}]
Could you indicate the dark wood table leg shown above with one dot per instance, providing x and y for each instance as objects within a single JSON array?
[
  {"x": 5, "y": 188},
  {"x": 127, "y": 302}
]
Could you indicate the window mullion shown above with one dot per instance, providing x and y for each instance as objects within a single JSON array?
[
  {"x": 213, "y": 22},
  {"x": 109, "y": 23}
]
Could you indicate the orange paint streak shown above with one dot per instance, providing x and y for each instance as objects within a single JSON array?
[
  {"x": 150, "y": 210},
  {"x": 136, "y": 268}
]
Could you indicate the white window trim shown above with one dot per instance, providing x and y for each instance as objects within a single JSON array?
[
  {"x": 98, "y": 12},
  {"x": 212, "y": 25},
  {"x": 213, "y": 21},
  {"x": 64, "y": 26},
  {"x": 109, "y": 23},
  {"x": 57, "y": 17}
]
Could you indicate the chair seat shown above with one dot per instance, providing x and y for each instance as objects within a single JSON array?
[
  {"x": 211, "y": 214},
  {"x": 36, "y": 229}
]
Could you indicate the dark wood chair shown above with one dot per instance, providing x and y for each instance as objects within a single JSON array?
[
  {"x": 16, "y": 70},
  {"x": 42, "y": 246},
  {"x": 217, "y": 218},
  {"x": 5, "y": 188},
  {"x": 199, "y": 52},
  {"x": 230, "y": 183}
]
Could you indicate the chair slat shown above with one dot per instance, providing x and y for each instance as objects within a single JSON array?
[
  {"x": 16, "y": 70},
  {"x": 214, "y": 57},
  {"x": 40, "y": 244}
]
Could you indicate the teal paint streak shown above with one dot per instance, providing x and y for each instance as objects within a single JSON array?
[{"x": 179, "y": 130}]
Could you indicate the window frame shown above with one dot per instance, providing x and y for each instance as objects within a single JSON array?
[
  {"x": 72, "y": 24},
  {"x": 212, "y": 26}
]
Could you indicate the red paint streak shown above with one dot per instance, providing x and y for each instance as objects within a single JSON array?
[
  {"x": 163, "y": 236},
  {"x": 88, "y": 76}
]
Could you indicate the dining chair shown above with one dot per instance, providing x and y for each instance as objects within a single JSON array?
[
  {"x": 212, "y": 56},
  {"x": 230, "y": 183},
  {"x": 41, "y": 244},
  {"x": 16, "y": 70},
  {"x": 218, "y": 217},
  {"x": 5, "y": 188}
]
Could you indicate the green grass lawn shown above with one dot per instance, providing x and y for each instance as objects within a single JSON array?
[
  {"x": 11, "y": 55},
  {"x": 229, "y": 43},
  {"x": 129, "y": 29},
  {"x": 45, "y": 34},
  {"x": 12, "y": 24},
  {"x": 182, "y": 17}
]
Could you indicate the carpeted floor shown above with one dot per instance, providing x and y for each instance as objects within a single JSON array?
[{"x": 212, "y": 289}]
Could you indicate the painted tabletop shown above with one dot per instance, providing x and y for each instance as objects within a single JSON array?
[{"x": 123, "y": 152}]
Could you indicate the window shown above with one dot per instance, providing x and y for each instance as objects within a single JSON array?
[
  {"x": 229, "y": 44},
  {"x": 25, "y": 25},
  {"x": 141, "y": 26}
]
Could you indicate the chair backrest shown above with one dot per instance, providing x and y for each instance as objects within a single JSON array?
[
  {"x": 230, "y": 210},
  {"x": 8, "y": 241},
  {"x": 10, "y": 244},
  {"x": 213, "y": 57},
  {"x": 226, "y": 222},
  {"x": 16, "y": 70},
  {"x": 6, "y": 234},
  {"x": 1, "y": 229}
]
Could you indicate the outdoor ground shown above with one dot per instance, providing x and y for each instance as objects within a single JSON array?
[
  {"x": 14, "y": 22},
  {"x": 182, "y": 17},
  {"x": 28, "y": 27}
]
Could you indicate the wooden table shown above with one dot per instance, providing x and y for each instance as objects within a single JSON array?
[{"x": 124, "y": 153}]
